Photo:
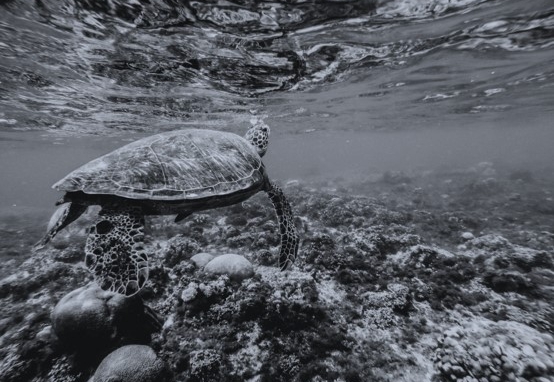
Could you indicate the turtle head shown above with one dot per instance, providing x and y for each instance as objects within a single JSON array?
[{"x": 258, "y": 136}]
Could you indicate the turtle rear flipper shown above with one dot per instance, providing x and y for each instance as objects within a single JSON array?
[
  {"x": 114, "y": 250},
  {"x": 66, "y": 214},
  {"x": 289, "y": 236},
  {"x": 182, "y": 215}
]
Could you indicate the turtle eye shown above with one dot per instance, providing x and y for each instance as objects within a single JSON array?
[{"x": 103, "y": 227}]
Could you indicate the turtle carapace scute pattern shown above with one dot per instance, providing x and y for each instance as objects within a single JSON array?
[
  {"x": 172, "y": 166},
  {"x": 177, "y": 172}
]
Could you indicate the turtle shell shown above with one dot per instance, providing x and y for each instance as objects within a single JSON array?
[{"x": 176, "y": 165}]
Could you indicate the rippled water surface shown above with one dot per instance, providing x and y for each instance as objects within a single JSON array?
[{"x": 349, "y": 87}]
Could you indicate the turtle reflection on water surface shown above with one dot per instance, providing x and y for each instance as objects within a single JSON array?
[{"x": 178, "y": 172}]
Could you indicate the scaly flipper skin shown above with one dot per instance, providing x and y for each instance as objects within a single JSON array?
[
  {"x": 289, "y": 236},
  {"x": 66, "y": 214},
  {"x": 114, "y": 250}
]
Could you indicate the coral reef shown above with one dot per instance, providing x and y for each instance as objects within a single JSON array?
[{"x": 443, "y": 276}]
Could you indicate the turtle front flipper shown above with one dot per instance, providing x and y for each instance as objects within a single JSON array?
[
  {"x": 66, "y": 214},
  {"x": 289, "y": 236},
  {"x": 114, "y": 250}
]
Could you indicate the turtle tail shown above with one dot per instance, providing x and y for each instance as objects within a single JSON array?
[
  {"x": 289, "y": 236},
  {"x": 66, "y": 214}
]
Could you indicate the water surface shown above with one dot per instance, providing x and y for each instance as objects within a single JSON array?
[{"x": 349, "y": 88}]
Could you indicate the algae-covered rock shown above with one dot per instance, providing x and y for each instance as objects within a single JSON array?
[
  {"x": 132, "y": 363},
  {"x": 235, "y": 266},
  {"x": 90, "y": 318}
]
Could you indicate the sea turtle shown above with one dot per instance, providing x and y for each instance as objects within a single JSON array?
[{"x": 177, "y": 172}]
